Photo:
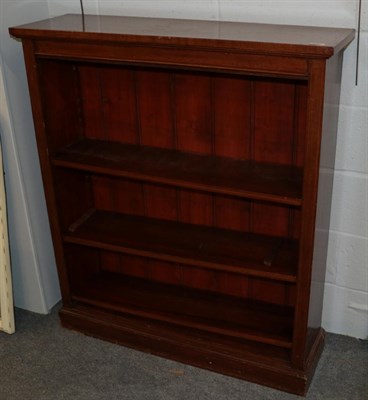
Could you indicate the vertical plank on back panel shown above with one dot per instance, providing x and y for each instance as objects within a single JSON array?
[
  {"x": 70, "y": 185},
  {"x": 197, "y": 208},
  {"x": 232, "y": 130},
  {"x": 231, "y": 114},
  {"x": 157, "y": 129},
  {"x": 121, "y": 124},
  {"x": 129, "y": 199},
  {"x": 300, "y": 123},
  {"x": 232, "y": 214},
  {"x": 274, "y": 122},
  {"x": 270, "y": 291},
  {"x": 233, "y": 284},
  {"x": 156, "y": 121},
  {"x": 84, "y": 262},
  {"x": 104, "y": 199},
  {"x": 103, "y": 193},
  {"x": 193, "y": 112},
  {"x": 270, "y": 219},
  {"x": 154, "y": 99},
  {"x": 160, "y": 202},
  {"x": 273, "y": 142},
  {"x": 194, "y": 130},
  {"x": 119, "y": 104},
  {"x": 90, "y": 88},
  {"x": 60, "y": 92},
  {"x": 231, "y": 107},
  {"x": 232, "y": 110},
  {"x": 194, "y": 133}
]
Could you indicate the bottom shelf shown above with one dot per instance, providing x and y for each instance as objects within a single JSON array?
[
  {"x": 215, "y": 313},
  {"x": 256, "y": 362}
]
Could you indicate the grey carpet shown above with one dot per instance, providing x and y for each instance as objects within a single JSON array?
[{"x": 43, "y": 361}]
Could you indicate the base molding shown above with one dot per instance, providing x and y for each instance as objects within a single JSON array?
[{"x": 203, "y": 350}]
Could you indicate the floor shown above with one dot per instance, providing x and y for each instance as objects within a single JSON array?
[{"x": 43, "y": 361}]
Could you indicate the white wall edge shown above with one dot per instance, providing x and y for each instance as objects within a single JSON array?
[{"x": 9, "y": 145}]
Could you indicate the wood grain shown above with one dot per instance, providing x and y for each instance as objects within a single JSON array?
[{"x": 259, "y": 181}]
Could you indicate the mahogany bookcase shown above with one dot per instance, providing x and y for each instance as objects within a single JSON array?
[{"x": 188, "y": 170}]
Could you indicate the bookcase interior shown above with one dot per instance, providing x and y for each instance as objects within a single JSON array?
[{"x": 188, "y": 182}]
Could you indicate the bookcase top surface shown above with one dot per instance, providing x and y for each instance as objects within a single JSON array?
[{"x": 251, "y": 37}]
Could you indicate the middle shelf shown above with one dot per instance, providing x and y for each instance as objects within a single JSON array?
[
  {"x": 281, "y": 184},
  {"x": 206, "y": 247}
]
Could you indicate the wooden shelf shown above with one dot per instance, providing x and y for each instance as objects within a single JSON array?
[
  {"x": 179, "y": 335},
  {"x": 206, "y": 247},
  {"x": 238, "y": 318},
  {"x": 247, "y": 179}
]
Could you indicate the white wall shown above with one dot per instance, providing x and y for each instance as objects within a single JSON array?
[
  {"x": 346, "y": 290},
  {"x": 35, "y": 280}
]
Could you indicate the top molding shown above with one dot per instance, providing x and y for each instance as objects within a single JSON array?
[{"x": 298, "y": 41}]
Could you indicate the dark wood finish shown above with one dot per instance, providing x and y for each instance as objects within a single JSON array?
[
  {"x": 301, "y": 41},
  {"x": 189, "y": 307},
  {"x": 181, "y": 162},
  {"x": 207, "y": 247},
  {"x": 259, "y": 181}
]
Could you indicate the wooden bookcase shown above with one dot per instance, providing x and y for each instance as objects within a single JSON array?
[{"x": 181, "y": 162}]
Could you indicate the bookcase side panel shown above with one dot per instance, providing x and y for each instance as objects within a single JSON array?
[
  {"x": 324, "y": 199},
  {"x": 313, "y": 136}
]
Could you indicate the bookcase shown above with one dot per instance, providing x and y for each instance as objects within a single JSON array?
[{"x": 187, "y": 168}]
